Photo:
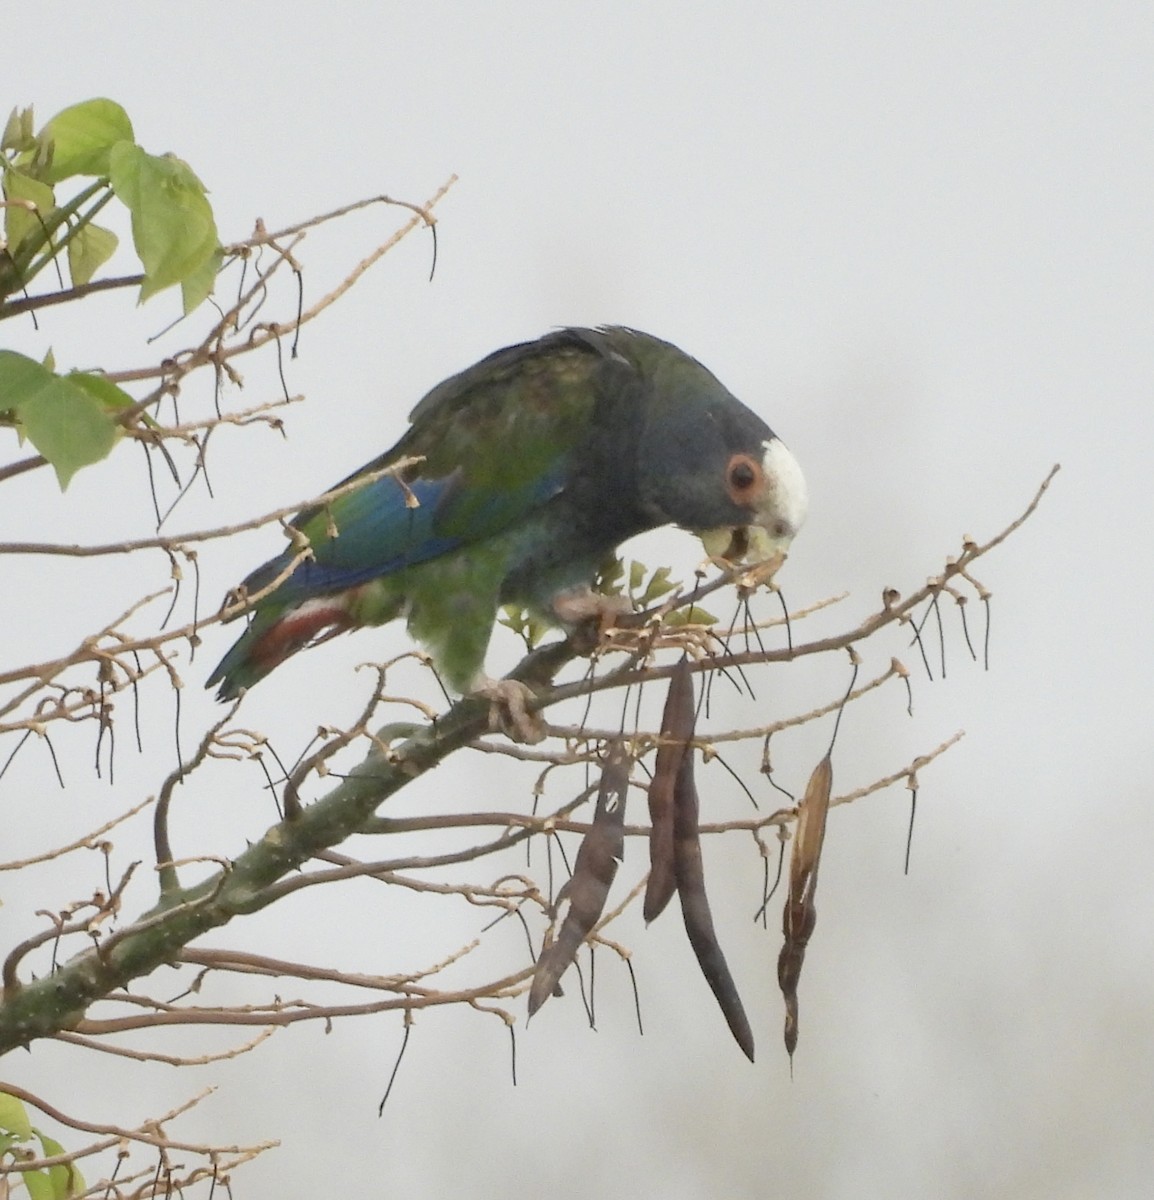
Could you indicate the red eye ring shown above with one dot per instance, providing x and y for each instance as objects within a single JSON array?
[{"x": 744, "y": 478}]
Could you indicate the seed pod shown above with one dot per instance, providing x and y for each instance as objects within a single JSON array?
[
  {"x": 593, "y": 872},
  {"x": 695, "y": 906},
  {"x": 677, "y": 722},
  {"x": 799, "y": 914}
]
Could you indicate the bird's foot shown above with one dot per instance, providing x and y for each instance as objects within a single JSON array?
[
  {"x": 509, "y": 709},
  {"x": 590, "y": 615},
  {"x": 578, "y": 605}
]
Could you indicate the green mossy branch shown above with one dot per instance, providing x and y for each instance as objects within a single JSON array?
[{"x": 47, "y": 1006}]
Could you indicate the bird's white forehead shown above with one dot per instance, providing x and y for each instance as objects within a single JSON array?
[{"x": 790, "y": 496}]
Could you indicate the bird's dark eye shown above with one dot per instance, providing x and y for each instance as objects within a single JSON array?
[{"x": 743, "y": 478}]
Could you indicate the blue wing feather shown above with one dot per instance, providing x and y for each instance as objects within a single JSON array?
[
  {"x": 377, "y": 533},
  {"x": 486, "y": 450},
  {"x": 380, "y": 531}
]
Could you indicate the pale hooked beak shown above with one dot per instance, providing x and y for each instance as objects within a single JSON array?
[
  {"x": 777, "y": 519},
  {"x": 786, "y": 502}
]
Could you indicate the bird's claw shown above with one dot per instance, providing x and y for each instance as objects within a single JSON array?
[
  {"x": 590, "y": 615},
  {"x": 579, "y": 605},
  {"x": 509, "y": 711}
]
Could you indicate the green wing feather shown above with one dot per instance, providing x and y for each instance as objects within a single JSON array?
[{"x": 495, "y": 444}]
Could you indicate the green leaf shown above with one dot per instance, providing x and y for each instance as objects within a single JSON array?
[
  {"x": 39, "y": 1185},
  {"x": 9, "y": 139},
  {"x": 112, "y": 397},
  {"x": 172, "y": 223},
  {"x": 13, "y": 1117},
  {"x": 19, "y": 220},
  {"x": 197, "y": 286},
  {"x": 693, "y": 615},
  {"x": 528, "y": 627},
  {"x": 65, "y": 421},
  {"x": 66, "y": 1180},
  {"x": 21, "y": 378},
  {"x": 89, "y": 248},
  {"x": 50, "y": 1146},
  {"x": 69, "y": 427},
  {"x": 609, "y": 576},
  {"x": 18, "y": 130},
  {"x": 82, "y": 137},
  {"x": 658, "y": 585}
]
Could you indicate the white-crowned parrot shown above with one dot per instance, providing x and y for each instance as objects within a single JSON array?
[{"x": 535, "y": 464}]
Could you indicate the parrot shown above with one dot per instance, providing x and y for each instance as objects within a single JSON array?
[{"x": 517, "y": 479}]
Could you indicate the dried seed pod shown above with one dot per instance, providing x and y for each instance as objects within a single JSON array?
[
  {"x": 695, "y": 907},
  {"x": 799, "y": 914},
  {"x": 593, "y": 872},
  {"x": 677, "y": 722},
  {"x": 675, "y": 850}
]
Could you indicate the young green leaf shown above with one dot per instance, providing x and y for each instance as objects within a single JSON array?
[
  {"x": 659, "y": 585},
  {"x": 39, "y": 1185},
  {"x": 89, "y": 248},
  {"x": 66, "y": 420},
  {"x": 112, "y": 397},
  {"x": 172, "y": 223},
  {"x": 693, "y": 615},
  {"x": 65, "y": 1179},
  {"x": 14, "y": 1117},
  {"x": 18, "y": 131},
  {"x": 21, "y": 378},
  {"x": 22, "y": 219},
  {"x": 609, "y": 576},
  {"x": 69, "y": 427},
  {"x": 528, "y": 627},
  {"x": 81, "y": 138},
  {"x": 197, "y": 286}
]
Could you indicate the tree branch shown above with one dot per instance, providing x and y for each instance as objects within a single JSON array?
[{"x": 258, "y": 876}]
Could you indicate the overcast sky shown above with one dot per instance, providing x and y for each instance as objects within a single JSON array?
[{"x": 918, "y": 240}]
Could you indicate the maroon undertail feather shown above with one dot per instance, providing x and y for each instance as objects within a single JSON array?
[{"x": 296, "y": 630}]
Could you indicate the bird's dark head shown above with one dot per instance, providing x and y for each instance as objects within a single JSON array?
[
  {"x": 772, "y": 491},
  {"x": 710, "y": 465}
]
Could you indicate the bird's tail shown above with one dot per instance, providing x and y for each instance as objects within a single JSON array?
[{"x": 273, "y": 636}]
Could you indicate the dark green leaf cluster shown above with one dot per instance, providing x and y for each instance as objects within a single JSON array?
[
  {"x": 71, "y": 419},
  {"x": 173, "y": 229},
  {"x": 644, "y": 588}
]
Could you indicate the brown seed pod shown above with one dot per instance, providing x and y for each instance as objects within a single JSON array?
[
  {"x": 593, "y": 873},
  {"x": 799, "y": 914}
]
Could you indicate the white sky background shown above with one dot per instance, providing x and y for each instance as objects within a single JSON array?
[{"x": 916, "y": 238}]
